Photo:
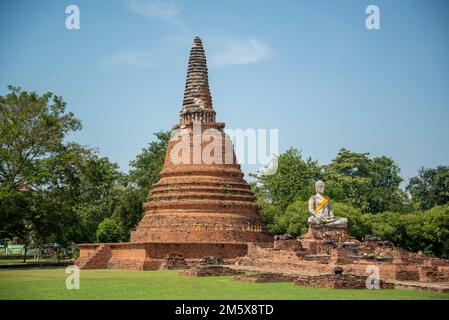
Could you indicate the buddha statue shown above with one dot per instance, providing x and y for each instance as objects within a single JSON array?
[{"x": 321, "y": 210}]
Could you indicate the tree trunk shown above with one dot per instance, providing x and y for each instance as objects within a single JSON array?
[{"x": 25, "y": 254}]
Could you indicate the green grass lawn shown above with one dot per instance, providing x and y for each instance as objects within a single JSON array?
[{"x": 49, "y": 283}]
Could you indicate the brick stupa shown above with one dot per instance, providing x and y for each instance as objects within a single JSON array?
[
  {"x": 197, "y": 208},
  {"x": 198, "y": 202}
]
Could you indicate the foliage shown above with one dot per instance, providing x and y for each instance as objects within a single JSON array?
[
  {"x": 427, "y": 231},
  {"x": 51, "y": 190},
  {"x": 371, "y": 185},
  {"x": 358, "y": 225},
  {"x": 32, "y": 128},
  {"x": 148, "y": 164},
  {"x": 293, "y": 179},
  {"x": 32, "y": 132},
  {"x": 126, "y": 216},
  {"x": 294, "y": 221},
  {"x": 109, "y": 230},
  {"x": 436, "y": 230},
  {"x": 270, "y": 214},
  {"x": 430, "y": 187}
]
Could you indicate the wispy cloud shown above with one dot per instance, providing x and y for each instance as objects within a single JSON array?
[
  {"x": 132, "y": 58},
  {"x": 163, "y": 9},
  {"x": 221, "y": 48},
  {"x": 234, "y": 51},
  {"x": 157, "y": 58}
]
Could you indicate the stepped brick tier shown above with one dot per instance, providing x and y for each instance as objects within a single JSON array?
[{"x": 201, "y": 206}]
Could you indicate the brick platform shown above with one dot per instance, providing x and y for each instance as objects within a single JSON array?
[
  {"x": 266, "y": 277},
  {"x": 314, "y": 256},
  {"x": 151, "y": 256},
  {"x": 209, "y": 270}
]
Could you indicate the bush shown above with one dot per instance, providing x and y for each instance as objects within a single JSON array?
[
  {"x": 270, "y": 214},
  {"x": 427, "y": 231},
  {"x": 109, "y": 230},
  {"x": 294, "y": 220},
  {"x": 358, "y": 225},
  {"x": 436, "y": 230}
]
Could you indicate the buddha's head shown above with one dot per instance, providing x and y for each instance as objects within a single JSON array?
[{"x": 319, "y": 186}]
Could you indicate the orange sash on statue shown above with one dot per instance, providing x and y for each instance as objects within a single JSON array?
[{"x": 323, "y": 202}]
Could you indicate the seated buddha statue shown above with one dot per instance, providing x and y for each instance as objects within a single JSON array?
[{"x": 321, "y": 210}]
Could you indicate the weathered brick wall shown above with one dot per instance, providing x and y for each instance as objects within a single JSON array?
[
  {"x": 197, "y": 226},
  {"x": 87, "y": 249},
  {"x": 149, "y": 256}
]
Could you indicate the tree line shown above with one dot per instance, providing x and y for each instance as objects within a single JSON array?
[{"x": 57, "y": 191}]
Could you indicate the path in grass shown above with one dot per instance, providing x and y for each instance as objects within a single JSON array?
[{"x": 125, "y": 284}]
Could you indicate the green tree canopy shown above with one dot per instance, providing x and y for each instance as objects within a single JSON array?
[
  {"x": 430, "y": 187},
  {"x": 371, "y": 185},
  {"x": 32, "y": 128},
  {"x": 51, "y": 190},
  {"x": 148, "y": 164},
  {"x": 294, "y": 178}
]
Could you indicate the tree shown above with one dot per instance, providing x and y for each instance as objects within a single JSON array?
[
  {"x": 128, "y": 207},
  {"x": 32, "y": 131},
  {"x": 294, "y": 178},
  {"x": 110, "y": 231},
  {"x": 351, "y": 164},
  {"x": 32, "y": 127},
  {"x": 148, "y": 164},
  {"x": 99, "y": 188},
  {"x": 436, "y": 230},
  {"x": 50, "y": 190},
  {"x": 371, "y": 185},
  {"x": 430, "y": 187},
  {"x": 129, "y": 211},
  {"x": 386, "y": 193}
]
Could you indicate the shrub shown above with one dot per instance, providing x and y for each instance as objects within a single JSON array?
[
  {"x": 436, "y": 230},
  {"x": 109, "y": 230}
]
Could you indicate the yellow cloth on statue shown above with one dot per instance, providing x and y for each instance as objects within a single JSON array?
[{"x": 321, "y": 205}]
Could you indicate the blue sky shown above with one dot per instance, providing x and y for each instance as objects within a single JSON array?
[{"x": 309, "y": 68}]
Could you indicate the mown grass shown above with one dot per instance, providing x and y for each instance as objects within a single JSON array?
[{"x": 49, "y": 283}]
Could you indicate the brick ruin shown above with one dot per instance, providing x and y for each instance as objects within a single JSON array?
[
  {"x": 313, "y": 257},
  {"x": 198, "y": 207},
  {"x": 199, "y": 210}
]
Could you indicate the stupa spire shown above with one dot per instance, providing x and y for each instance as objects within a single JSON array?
[{"x": 197, "y": 103}]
